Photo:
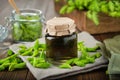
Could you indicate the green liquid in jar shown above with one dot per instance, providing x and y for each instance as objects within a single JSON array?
[{"x": 61, "y": 48}]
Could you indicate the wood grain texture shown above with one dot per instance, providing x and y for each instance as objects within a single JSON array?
[
  {"x": 107, "y": 23},
  {"x": 47, "y": 6}
]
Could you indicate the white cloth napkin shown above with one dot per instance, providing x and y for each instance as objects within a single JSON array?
[{"x": 54, "y": 72}]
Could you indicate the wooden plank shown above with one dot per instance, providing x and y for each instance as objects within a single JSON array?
[
  {"x": 2, "y": 74},
  {"x": 20, "y": 74},
  {"x": 97, "y": 37},
  {"x": 13, "y": 75},
  {"x": 30, "y": 76},
  {"x": 108, "y": 35},
  {"x": 94, "y": 75}
]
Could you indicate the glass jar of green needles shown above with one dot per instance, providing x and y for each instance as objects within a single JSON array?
[{"x": 26, "y": 26}]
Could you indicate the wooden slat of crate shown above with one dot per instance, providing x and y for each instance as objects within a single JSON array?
[{"x": 107, "y": 23}]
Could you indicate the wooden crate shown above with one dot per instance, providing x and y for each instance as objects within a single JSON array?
[{"x": 107, "y": 23}]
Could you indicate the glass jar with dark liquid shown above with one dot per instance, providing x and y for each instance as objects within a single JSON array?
[{"x": 61, "y": 48}]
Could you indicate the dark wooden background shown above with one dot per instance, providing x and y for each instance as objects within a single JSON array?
[{"x": 47, "y": 6}]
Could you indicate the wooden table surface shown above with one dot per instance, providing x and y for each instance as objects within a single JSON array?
[{"x": 47, "y": 6}]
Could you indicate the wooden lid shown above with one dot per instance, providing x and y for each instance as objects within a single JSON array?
[{"x": 60, "y": 26}]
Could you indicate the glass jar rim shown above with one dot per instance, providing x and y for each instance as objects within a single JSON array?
[{"x": 35, "y": 11}]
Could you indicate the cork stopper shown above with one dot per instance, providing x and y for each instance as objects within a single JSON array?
[{"x": 60, "y": 26}]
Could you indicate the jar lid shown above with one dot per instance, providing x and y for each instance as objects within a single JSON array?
[{"x": 60, "y": 26}]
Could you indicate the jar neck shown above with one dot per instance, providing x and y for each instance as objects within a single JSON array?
[
  {"x": 37, "y": 16},
  {"x": 59, "y": 36}
]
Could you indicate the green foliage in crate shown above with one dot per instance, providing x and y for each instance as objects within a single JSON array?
[{"x": 93, "y": 7}]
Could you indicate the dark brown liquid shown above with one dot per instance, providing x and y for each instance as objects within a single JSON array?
[{"x": 61, "y": 47}]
